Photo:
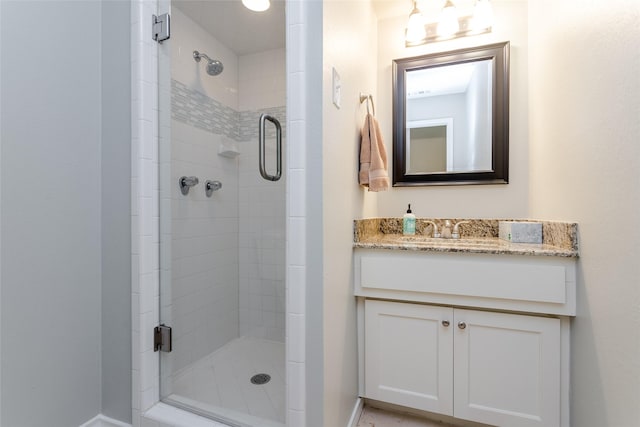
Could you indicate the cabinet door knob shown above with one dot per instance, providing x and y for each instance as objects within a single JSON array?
[
  {"x": 462, "y": 325},
  {"x": 445, "y": 323}
]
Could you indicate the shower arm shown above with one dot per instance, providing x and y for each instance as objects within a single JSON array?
[{"x": 198, "y": 56}]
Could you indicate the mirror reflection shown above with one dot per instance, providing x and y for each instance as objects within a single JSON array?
[{"x": 451, "y": 117}]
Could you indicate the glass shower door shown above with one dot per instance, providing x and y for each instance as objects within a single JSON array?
[{"x": 222, "y": 225}]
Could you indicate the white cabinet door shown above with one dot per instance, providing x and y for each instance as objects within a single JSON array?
[
  {"x": 409, "y": 355},
  {"x": 507, "y": 369}
]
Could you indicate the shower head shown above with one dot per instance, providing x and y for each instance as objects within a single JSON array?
[{"x": 214, "y": 67}]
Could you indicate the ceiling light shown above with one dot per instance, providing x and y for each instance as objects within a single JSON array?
[{"x": 256, "y": 5}]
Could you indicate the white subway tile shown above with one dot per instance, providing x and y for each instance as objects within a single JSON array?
[
  {"x": 149, "y": 255},
  {"x": 294, "y": 417},
  {"x": 149, "y": 373},
  {"x": 296, "y": 143},
  {"x": 296, "y": 335},
  {"x": 135, "y": 387},
  {"x": 148, "y": 321},
  {"x": 297, "y": 241},
  {"x": 149, "y": 100},
  {"x": 297, "y": 193},
  {"x": 148, "y": 398},
  {"x": 296, "y": 385},
  {"x": 135, "y": 309},
  {"x": 296, "y": 108},
  {"x": 295, "y": 13},
  {"x": 297, "y": 55},
  {"x": 296, "y": 289},
  {"x": 146, "y": 133}
]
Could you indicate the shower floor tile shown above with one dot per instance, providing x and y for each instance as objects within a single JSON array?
[{"x": 221, "y": 381}]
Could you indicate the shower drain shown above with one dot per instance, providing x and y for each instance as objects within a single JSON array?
[{"x": 260, "y": 379}]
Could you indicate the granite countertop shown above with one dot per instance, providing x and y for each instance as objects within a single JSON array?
[{"x": 479, "y": 236}]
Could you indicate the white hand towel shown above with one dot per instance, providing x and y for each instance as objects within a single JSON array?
[{"x": 373, "y": 157}]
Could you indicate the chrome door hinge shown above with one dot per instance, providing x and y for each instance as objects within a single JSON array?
[
  {"x": 162, "y": 338},
  {"x": 161, "y": 27}
]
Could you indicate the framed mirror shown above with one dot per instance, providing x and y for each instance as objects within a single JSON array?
[{"x": 451, "y": 117}]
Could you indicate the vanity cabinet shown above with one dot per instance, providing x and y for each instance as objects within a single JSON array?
[
  {"x": 506, "y": 369},
  {"x": 496, "y": 368},
  {"x": 480, "y": 337},
  {"x": 409, "y": 355}
]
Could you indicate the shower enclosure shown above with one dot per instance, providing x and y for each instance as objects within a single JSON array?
[{"x": 222, "y": 84}]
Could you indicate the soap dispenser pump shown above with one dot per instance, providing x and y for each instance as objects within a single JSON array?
[{"x": 409, "y": 223}]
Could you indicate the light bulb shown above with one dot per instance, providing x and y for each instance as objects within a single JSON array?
[
  {"x": 482, "y": 15},
  {"x": 415, "y": 27},
  {"x": 448, "y": 24},
  {"x": 256, "y": 5}
]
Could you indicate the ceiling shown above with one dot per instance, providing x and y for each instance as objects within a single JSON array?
[
  {"x": 246, "y": 32},
  {"x": 238, "y": 28}
]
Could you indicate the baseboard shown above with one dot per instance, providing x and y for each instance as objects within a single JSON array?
[
  {"x": 102, "y": 421},
  {"x": 357, "y": 411}
]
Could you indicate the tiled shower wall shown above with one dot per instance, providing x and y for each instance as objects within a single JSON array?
[
  {"x": 204, "y": 247},
  {"x": 244, "y": 221},
  {"x": 262, "y": 88}
]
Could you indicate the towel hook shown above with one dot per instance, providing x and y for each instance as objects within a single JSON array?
[{"x": 368, "y": 98}]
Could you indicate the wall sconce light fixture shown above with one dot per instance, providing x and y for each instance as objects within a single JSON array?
[
  {"x": 416, "y": 30},
  {"x": 449, "y": 23}
]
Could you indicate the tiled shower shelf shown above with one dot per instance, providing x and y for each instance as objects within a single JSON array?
[{"x": 479, "y": 236}]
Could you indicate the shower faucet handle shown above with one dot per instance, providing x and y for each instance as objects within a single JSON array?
[
  {"x": 211, "y": 186},
  {"x": 186, "y": 182}
]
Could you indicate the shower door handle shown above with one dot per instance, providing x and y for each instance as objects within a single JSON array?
[{"x": 261, "y": 148}]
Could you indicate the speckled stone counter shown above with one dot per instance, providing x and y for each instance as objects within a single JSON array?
[{"x": 478, "y": 236}]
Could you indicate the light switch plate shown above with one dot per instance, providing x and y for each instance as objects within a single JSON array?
[{"x": 337, "y": 87}]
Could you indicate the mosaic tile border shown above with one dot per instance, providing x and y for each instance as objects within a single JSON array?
[{"x": 196, "y": 109}]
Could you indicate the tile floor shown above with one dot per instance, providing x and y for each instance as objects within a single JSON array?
[
  {"x": 374, "y": 417},
  {"x": 220, "y": 382}
]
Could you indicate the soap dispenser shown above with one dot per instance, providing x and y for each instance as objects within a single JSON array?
[{"x": 409, "y": 223}]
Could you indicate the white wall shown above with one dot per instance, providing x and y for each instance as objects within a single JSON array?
[
  {"x": 116, "y": 210},
  {"x": 585, "y": 157},
  {"x": 478, "y": 201},
  {"x": 444, "y": 106},
  {"x": 55, "y": 122},
  {"x": 350, "y": 39}
]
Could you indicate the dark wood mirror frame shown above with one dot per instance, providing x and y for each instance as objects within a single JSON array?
[{"x": 499, "y": 55}]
